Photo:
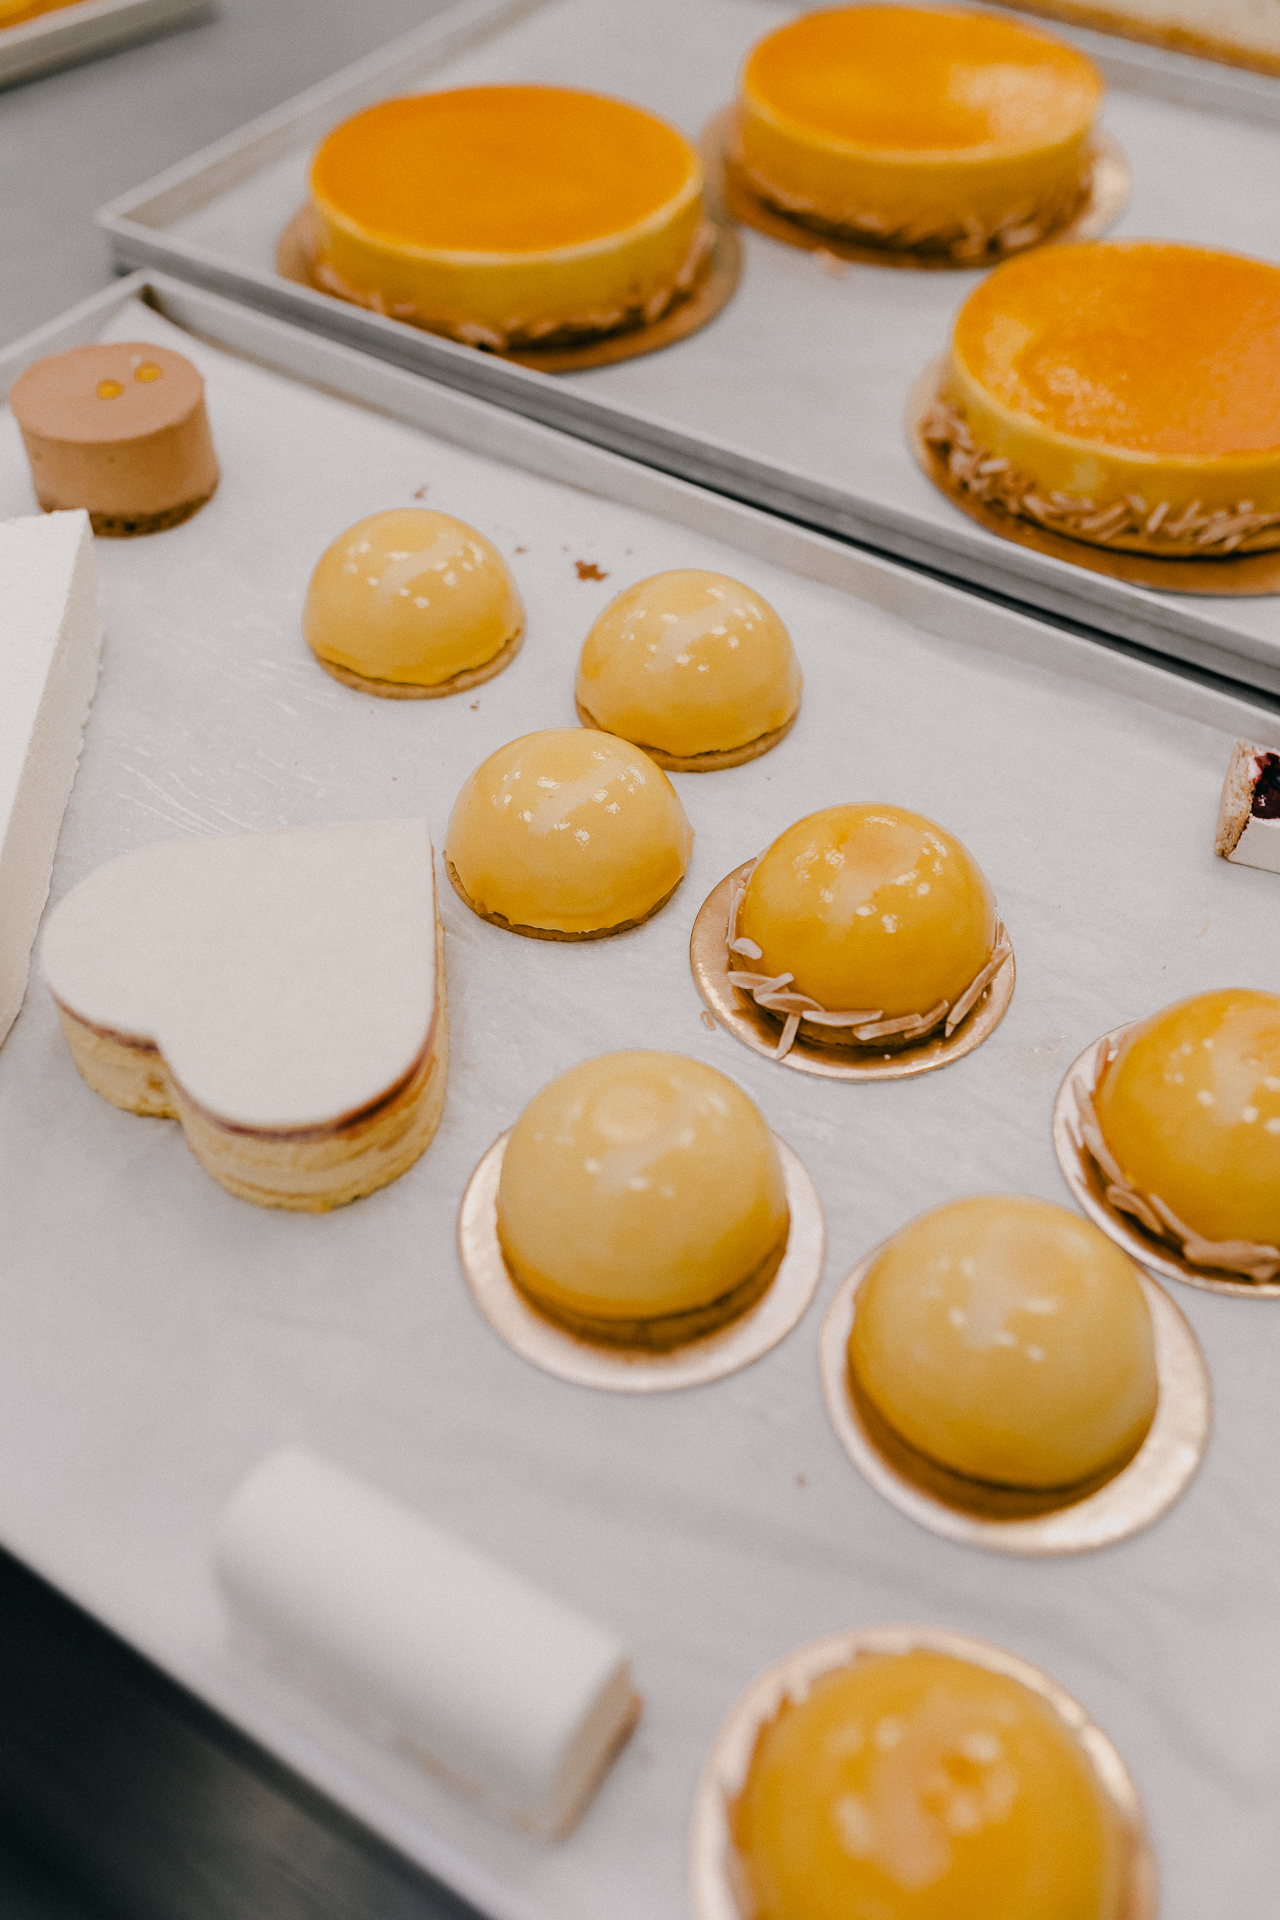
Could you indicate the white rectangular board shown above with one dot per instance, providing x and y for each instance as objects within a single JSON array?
[
  {"x": 82, "y": 32},
  {"x": 161, "y": 1336},
  {"x": 794, "y": 397}
]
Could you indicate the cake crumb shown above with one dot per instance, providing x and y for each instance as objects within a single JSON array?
[
  {"x": 522, "y": 549},
  {"x": 708, "y": 1021},
  {"x": 802, "y": 1480},
  {"x": 588, "y": 570},
  {"x": 420, "y": 493},
  {"x": 474, "y": 705}
]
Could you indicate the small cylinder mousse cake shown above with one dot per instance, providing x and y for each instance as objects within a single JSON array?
[
  {"x": 412, "y": 604},
  {"x": 1189, "y": 1110},
  {"x": 567, "y": 835},
  {"x": 882, "y": 922},
  {"x": 642, "y": 1201},
  {"x": 1124, "y": 393},
  {"x": 925, "y": 128},
  {"x": 919, "y": 1786},
  {"x": 119, "y": 429},
  {"x": 692, "y": 666},
  {"x": 1010, "y": 1341},
  {"x": 509, "y": 216}
]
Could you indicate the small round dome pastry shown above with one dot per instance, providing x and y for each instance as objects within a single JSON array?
[
  {"x": 567, "y": 835},
  {"x": 1190, "y": 1109},
  {"x": 642, "y": 1201},
  {"x": 918, "y": 128},
  {"x": 412, "y": 604},
  {"x": 919, "y": 1786},
  {"x": 1010, "y": 1341},
  {"x": 694, "y": 667},
  {"x": 874, "y": 910}
]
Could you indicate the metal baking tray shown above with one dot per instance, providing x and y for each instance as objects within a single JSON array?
[
  {"x": 93, "y": 27},
  {"x": 794, "y": 397},
  {"x": 160, "y": 1336}
]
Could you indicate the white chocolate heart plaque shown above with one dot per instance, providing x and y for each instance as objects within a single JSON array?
[{"x": 281, "y": 994}]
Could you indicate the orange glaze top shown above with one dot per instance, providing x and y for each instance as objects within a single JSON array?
[
  {"x": 922, "y": 80},
  {"x": 512, "y": 170},
  {"x": 1137, "y": 345}
]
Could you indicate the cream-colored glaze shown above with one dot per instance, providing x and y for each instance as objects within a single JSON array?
[
  {"x": 568, "y": 831},
  {"x": 412, "y": 597},
  {"x": 1009, "y": 1340},
  {"x": 289, "y": 980},
  {"x": 919, "y": 1786},
  {"x": 1189, "y": 1107},
  {"x": 870, "y": 908},
  {"x": 916, "y": 124},
  {"x": 690, "y": 662},
  {"x": 50, "y": 639},
  {"x": 638, "y": 1186}
]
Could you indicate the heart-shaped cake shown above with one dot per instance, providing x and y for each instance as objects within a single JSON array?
[{"x": 282, "y": 994}]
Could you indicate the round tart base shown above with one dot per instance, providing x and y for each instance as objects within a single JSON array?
[
  {"x": 405, "y": 690},
  {"x": 710, "y": 762},
  {"x": 714, "y": 287},
  {"x": 1029, "y": 1522},
  {"x": 761, "y": 1031},
  {"x": 1088, "y": 1186},
  {"x": 1229, "y": 576},
  {"x": 551, "y": 933},
  {"x": 713, "y": 1858},
  {"x": 1104, "y": 194},
  {"x": 550, "y": 1346}
]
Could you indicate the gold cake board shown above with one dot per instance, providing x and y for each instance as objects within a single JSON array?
[
  {"x": 1234, "y": 576},
  {"x": 714, "y": 288},
  {"x": 1110, "y": 183}
]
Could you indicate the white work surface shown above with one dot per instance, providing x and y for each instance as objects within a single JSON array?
[
  {"x": 161, "y": 1336},
  {"x": 795, "y": 395}
]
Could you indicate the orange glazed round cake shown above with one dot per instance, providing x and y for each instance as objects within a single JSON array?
[
  {"x": 1125, "y": 393},
  {"x": 918, "y": 127},
  {"x": 509, "y": 216}
]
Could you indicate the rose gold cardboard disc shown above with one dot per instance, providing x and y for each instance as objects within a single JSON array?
[
  {"x": 295, "y": 257},
  {"x": 716, "y": 1879},
  {"x": 1230, "y": 577},
  {"x": 1105, "y": 199},
  {"x": 621, "y": 1370},
  {"x": 761, "y": 1031},
  {"x": 1033, "y": 1524},
  {"x": 1088, "y": 1186}
]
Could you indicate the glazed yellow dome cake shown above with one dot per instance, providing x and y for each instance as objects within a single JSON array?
[
  {"x": 918, "y": 127},
  {"x": 509, "y": 216},
  {"x": 1124, "y": 393},
  {"x": 1189, "y": 1111},
  {"x": 412, "y": 603},
  {"x": 567, "y": 835},
  {"x": 1010, "y": 1341},
  {"x": 642, "y": 1201},
  {"x": 920, "y": 1786},
  {"x": 881, "y": 920},
  {"x": 694, "y": 667}
]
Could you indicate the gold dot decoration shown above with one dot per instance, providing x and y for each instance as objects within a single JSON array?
[
  {"x": 147, "y": 371},
  {"x": 109, "y": 389}
]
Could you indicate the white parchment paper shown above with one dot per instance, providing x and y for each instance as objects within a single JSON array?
[
  {"x": 160, "y": 1336},
  {"x": 810, "y": 370}
]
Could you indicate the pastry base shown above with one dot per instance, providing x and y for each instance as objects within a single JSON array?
[
  {"x": 1088, "y": 1188},
  {"x": 888, "y": 1059},
  {"x": 131, "y": 526},
  {"x": 306, "y": 1170},
  {"x": 714, "y": 287},
  {"x": 709, "y": 762},
  {"x": 1201, "y": 46},
  {"x": 662, "y": 1333},
  {"x": 1229, "y": 576},
  {"x": 614, "y": 1369},
  {"x": 1112, "y": 1505},
  {"x": 714, "y": 1877},
  {"x": 1104, "y": 196},
  {"x": 406, "y": 690},
  {"x": 550, "y": 933}
]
